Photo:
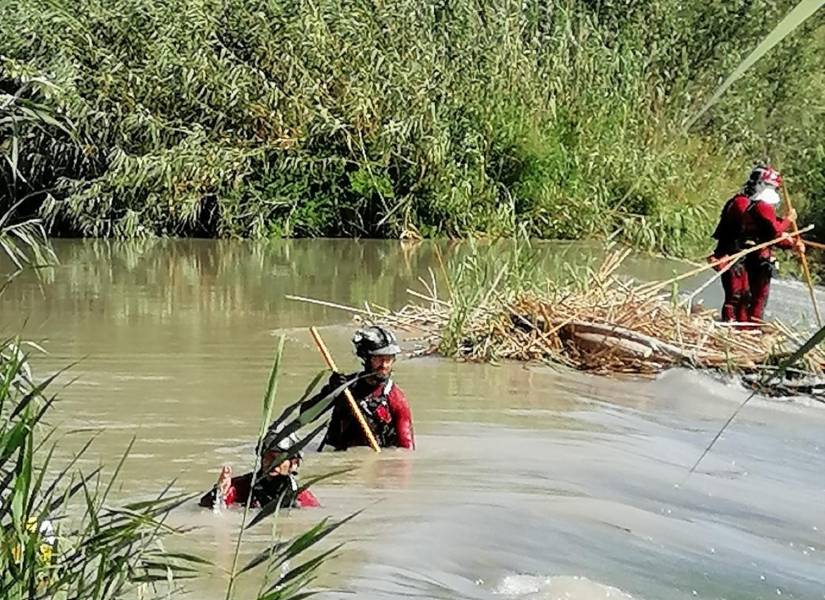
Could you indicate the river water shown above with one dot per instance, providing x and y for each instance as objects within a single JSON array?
[{"x": 528, "y": 482}]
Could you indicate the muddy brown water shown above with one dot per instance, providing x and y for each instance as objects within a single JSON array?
[{"x": 528, "y": 482}]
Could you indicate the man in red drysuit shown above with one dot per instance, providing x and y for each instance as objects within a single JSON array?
[
  {"x": 749, "y": 219},
  {"x": 382, "y": 403}
]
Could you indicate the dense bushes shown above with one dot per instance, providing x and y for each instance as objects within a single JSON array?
[{"x": 356, "y": 117}]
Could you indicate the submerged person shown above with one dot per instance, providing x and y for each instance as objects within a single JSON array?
[
  {"x": 274, "y": 480},
  {"x": 749, "y": 219},
  {"x": 380, "y": 400}
]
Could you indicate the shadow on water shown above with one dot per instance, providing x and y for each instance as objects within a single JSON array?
[{"x": 527, "y": 483}]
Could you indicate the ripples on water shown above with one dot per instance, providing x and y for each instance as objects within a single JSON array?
[{"x": 528, "y": 482}]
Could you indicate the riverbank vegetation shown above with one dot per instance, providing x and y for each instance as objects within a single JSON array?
[
  {"x": 595, "y": 320},
  {"x": 356, "y": 118}
]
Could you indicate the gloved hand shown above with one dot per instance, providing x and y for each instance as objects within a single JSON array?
[
  {"x": 337, "y": 379},
  {"x": 723, "y": 261}
]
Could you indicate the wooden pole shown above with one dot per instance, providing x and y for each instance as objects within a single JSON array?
[
  {"x": 347, "y": 394},
  {"x": 655, "y": 286},
  {"x": 813, "y": 244},
  {"x": 804, "y": 260}
]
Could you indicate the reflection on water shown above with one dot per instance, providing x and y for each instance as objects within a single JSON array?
[
  {"x": 233, "y": 280},
  {"x": 528, "y": 482}
]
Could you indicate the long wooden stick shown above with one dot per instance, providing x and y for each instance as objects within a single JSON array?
[
  {"x": 804, "y": 260},
  {"x": 701, "y": 288},
  {"x": 347, "y": 394},
  {"x": 656, "y": 286},
  {"x": 351, "y": 309},
  {"x": 813, "y": 244}
]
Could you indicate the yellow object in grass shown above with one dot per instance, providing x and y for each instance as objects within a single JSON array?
[{"x": 47, "y": 545}]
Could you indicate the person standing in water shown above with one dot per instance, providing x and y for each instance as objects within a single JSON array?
[
  {"x": 382, "y": 403},
  {"x": 749, "y": 219}
]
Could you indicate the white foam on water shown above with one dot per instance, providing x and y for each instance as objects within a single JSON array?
[
  {"x": 561, "y": 587},
  {"x": 219, "y": 505}
]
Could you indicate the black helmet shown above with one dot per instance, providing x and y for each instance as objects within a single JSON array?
[{"x": 375, "y": 341}]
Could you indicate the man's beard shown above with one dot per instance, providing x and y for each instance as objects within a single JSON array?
[{"x": 378, "y": 376}]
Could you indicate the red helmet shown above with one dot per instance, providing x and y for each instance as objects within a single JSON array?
[{"x": 765, "y": 175}]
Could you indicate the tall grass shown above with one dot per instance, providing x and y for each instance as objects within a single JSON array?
[
  {"x": 95, "y": 549},
  {"x": 279, "y": 581},
  {"x": 59, "y": 535},
  {"x": 350, "y": 117},
  {"x": 474, "y": 280}
]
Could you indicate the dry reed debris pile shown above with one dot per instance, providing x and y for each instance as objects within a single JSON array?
[{"x": 605, "y": 325}]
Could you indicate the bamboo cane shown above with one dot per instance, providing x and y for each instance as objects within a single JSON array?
[
  {"x": 651, "y": 288},
  {"x": 351, "y": 309},
  {"x": 804, "y": 260},
  {"x": 347, "y": 394},
  {"x": 813, "y": 244}
]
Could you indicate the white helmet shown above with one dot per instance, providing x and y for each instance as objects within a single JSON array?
[
  {"x": 375, "y": 340},
  {"x": 283, "y": 445}
]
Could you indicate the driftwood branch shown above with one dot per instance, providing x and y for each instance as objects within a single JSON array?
[{"x": 627, "y": 339}]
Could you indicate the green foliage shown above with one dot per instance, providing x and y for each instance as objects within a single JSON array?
[
  {"x": 278, "y": 582},
  {"x": 24, "y": 244},
  {"x": 476, "y": 278},
  {"x": 351, "y": 117},
  {"x": 89, "y": 549}
]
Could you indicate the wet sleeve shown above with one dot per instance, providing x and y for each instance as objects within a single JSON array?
[
  {"x": 772, "y": 226},
  {"x": 237, "y": 492},
  {"x": 402, "y": 419},
  {"x": 307, "y": 499},
  {"x": 208, "y": 499},
  {"x": 231, "y": 496}
]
